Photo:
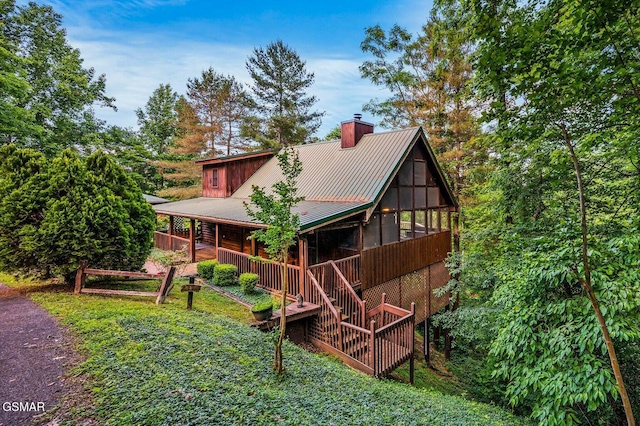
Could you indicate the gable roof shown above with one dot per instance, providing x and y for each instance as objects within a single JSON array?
[{"x": 336, "y": 182}]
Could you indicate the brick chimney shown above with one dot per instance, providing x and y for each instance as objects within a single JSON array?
[{"x": 353, "y": 130}]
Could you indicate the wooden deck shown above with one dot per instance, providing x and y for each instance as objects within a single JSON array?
[
  {"x": 293, "y": 314},
  {"x": 205, "y": 252}
]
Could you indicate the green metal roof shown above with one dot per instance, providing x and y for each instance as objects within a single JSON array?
[
  {"x": 335, "y": 182},
  {"x": 232, "y": 210},
  {"x": 330, "y": 173}
]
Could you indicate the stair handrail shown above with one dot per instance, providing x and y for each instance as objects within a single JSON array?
[
  {"x": 346, "y": 285},
  {"x": 327, "y": 302}
]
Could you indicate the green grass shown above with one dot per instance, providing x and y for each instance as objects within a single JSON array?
[{"x": 164, "y": 365}]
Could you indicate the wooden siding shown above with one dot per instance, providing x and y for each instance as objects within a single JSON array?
[
  {"x": 231, "y": 237},
  {"x": 231, "y": 175},
  {"x": 384, "y": 263},
  {"x": 209, "y": 233},
  {"x": 352, "y": 131}
]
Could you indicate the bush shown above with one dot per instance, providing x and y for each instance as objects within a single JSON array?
[
  {"x": 206, "y": 268},
  {"x": 55, "y": 213},
  {"x": 225, "y": 274},
  {"x": 262, "y": 306},
  {"x": 248, "y": 282}
]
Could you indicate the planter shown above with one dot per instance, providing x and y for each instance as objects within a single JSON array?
[{"x": 263, "y": 315}]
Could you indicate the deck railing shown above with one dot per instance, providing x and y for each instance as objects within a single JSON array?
[
  {"x": 350, "y": 268},
  {"x": 393, "y": 343},
  {"x": 375, "y": 350},
  {"x": 337, "y": 286},
  {"x": 270, "y": 272},
  {"x": 164, "y": 241}
]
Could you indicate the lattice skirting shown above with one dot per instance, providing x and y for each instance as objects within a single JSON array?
[{"x": 415, "y": 287}]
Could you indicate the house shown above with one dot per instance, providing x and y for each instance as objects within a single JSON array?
[{"x": 374, "y": 231}]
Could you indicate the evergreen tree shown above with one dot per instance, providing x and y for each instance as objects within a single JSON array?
[
  {"x": 280, "y": 79},
  {"x": 56, "y": 213}
]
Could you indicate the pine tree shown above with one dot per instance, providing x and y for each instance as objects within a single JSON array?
[{"x": 280, "y": 79}]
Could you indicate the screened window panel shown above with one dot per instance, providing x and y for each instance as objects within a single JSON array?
[
  {"x": 420, "y": 173},
  {"x": 420, "y": 223},
  {"x": 406, "y": 198},
  {"x": 390, "y": 200},
  {"x": 390, "y": 228},
  {"x": 371, "y": 232},
  {"x": 433, "y": 196},
  {"x": 405, "y": 176},
  {"x": 420, "y": 197},
  {"x": 406, "y": 225}
]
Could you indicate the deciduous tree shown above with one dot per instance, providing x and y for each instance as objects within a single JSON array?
[
  {"x": 63, "y": 92},
  {"x": 274, "y": 209}
]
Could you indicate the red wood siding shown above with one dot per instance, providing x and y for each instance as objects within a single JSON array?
[
  {"x": 231, "y": 175},
  {"x": 384, "y": 263}
]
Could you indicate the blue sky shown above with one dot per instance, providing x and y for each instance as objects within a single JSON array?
[{"x": 140, "y": 44}]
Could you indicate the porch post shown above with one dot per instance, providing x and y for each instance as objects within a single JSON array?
[
  {"x": 217, "y": 239},
  {"x": 192, "y": 239},
  {"x": 302, "y": 260},
  {"x": 171, "y": 224}
]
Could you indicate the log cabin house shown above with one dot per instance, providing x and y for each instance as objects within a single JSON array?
[{"x": 374, "y": 231}]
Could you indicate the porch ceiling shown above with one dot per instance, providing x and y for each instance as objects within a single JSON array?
[{"x": 232, "y": 210}]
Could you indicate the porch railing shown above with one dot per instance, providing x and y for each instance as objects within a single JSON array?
[
  {"x": 164, "y": 241},
  {"x": 333, "y": 282},
  {"x": 350, "y": 268},
  {"x": 270, "y": 272}
]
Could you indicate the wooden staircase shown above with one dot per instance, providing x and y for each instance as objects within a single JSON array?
[{"x": 375, "y": 342}]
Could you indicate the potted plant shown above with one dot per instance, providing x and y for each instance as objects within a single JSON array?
[{"x": 262, "y": 310}]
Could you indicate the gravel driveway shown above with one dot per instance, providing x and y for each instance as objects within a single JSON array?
[{"x": 33, "y": 354}]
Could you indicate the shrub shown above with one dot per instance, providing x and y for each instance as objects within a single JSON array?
[
  {"x": 55, "y": 213},
  {"x": 248, "y": 282},
  {"x": 262, "y": 306},
  {"x": 206, "y": 268},
  {"x": 225, "y": 274}
]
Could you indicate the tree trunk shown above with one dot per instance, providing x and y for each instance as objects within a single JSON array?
[
  {"x": 277, "y": 357},
  {"x": 586, "y": 284}
]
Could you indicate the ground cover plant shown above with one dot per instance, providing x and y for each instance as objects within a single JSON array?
[{"x": 151, "y": 365}]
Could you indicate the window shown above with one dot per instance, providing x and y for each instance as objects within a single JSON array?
[{"x": 214, "y": 178}]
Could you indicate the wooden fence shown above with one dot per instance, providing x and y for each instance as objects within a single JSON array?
[
  {"x": 160, "y": 295},
  {"x": 164, "y": 241},
  {"x": 270, "y": 272},
  {"x": 380, "y": 264}
]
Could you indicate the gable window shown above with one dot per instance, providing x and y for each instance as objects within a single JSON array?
[{"x": 214, "y": 178}]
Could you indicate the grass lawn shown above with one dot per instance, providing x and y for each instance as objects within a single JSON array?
[{"x": 164, "y": 365}]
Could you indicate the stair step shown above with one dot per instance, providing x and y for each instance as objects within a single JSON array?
[
  {"x": 344, "y": 317},
  {"x": 332, "y": 300}
]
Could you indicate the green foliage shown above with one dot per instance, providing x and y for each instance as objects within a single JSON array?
[
  {"x": 279, "y": 82},
  {"x": 158, "y": 120},
  {"x": 225, "y": 274},
  {"x": 199, "y": 367},
  {"x": 206, "y": 268},
  {"x": 262, "y": 306},
  {"x": 274, "y": 209},
  {"x": 62, "y": 92},
  {"x": 55, "y": 214},
  {"x": 163, "y": 259},
  {"x": 335, "y": 133},
  {"x": 248, "y": 282}
]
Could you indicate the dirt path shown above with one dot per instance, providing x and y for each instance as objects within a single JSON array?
[{"x": 33, "y": 355}]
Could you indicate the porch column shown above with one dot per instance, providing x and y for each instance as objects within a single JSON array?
[
  {"x": 217, "y": 239},
  {"x": 302, "y": 260},
  {"x": 192, "y": 239}
]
